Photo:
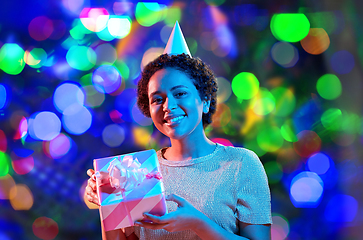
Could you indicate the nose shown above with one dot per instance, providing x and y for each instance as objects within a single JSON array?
[{"x": 169, "y": 104}]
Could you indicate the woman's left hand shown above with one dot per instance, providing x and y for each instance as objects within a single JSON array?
[{"x": 185, "y": 217}]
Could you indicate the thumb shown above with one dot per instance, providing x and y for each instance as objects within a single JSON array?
[{"x": 175, "y": 198}]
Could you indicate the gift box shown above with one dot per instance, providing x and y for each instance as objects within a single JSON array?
[{"x": 127, "y": 186}]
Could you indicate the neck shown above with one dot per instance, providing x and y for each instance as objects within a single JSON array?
[{"x": 187, "y": 148}]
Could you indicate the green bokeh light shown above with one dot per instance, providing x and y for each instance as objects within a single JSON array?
[
  {"x": 285, "y": 101},
  {"x": 173, "y": 15},
  {"x": 149, "y": 13},
  {"x": 289, "y": 27},
  {"x": 4, "y": 164},
  {"x": 253, "y": 146},
  {"x": 39, "y": 56},
  {"x": 81, "y": 58},
  {"x": 78, "y": 30},
  {"x": 12, "y": 58},
  {"x": 273, "y": 171},
  {"x": 331, "y": 119},
  {"x": 192, "y": 44},
  {"x": 351, "y": 123},
  {"x": 264, "y": 102},
  {"x": 123, "y": 69},
  {"x": 329, "y": 86},
  {"x": 269, "y": 139},
  {"x": 288, "y": 131},
  {"x": 245, "y": 85}
]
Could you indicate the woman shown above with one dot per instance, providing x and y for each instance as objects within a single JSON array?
[{"x": 214, "y": 192}]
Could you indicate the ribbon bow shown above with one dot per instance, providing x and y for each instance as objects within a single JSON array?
[{"x": 126, "y": 173}]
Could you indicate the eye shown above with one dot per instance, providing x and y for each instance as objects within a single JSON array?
[
  {"x": 180, "y": 94},
  {"x": 156, "y": 100}
]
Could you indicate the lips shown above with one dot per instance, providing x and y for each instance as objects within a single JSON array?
[{"x": 173, "y": 120}]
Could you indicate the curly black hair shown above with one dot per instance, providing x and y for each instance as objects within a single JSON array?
[{"x": 203, "y": 79}]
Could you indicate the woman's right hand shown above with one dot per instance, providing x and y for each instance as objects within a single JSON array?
[{"x": 91, "y": 189}]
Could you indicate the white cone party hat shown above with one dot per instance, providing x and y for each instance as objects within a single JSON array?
[{"x": 176, "y": 43}]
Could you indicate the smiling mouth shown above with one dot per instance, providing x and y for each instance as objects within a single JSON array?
[{"x": 174, "y": 121}]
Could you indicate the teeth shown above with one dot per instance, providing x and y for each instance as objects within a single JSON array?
[{"x": 175, "y": 119}]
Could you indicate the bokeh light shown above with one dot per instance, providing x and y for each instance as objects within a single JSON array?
[
  {"x": 119, "y": 26},
  {"x": 3, "y": 141},
  {"x": 11, "y": 58},
  {"x": 224, "y": 89},
  {"x": 280, "y": 228},
  {"x": 77, "y": 121},
  {"x": 289, "y": 27},
  {"x": 263, "y": 102},
  {"x": 59, "y": 146},
  {"x": 36, "y": 58},
  {"x": 150, "y": 55},
  {"x": 4, "y": 164},
  {"x": 316, "y": 42},
  {"x": 285, "y": 54},
  {"x": 106, "y": 79},
  {"x": 214, "y": 2},
  {"x": 106, "y": 54},
  {"x": 329, "y": 86},
  {"x": 68, "y": 95},
  {"x": 6, "y": 183},
  {"x": 269, "y": 139},
  {"x": 341, "y": 208},
  {"x": 21, "y": 198},
  {"x": 23, "y": 165},
  {"x": 288, "y": 131},
  {"x": 223, "y": 141},
  {"x": 245, "y": 85},
  {"x": 40, "y": 28},
  {"x": 142, "y": 136},
  {"x": 222, "y": 116},
  {"x": 44, "y": 126},
  {"x": 331, "y": 119},
  {"x": 342, "y": 62},
  {"x": 3, "y": 96},
  {"x": 285, "y": 101},
  {"x": 308, "y": 143},
  {"x": 318, "y": 163},
  {"x": 94, "y": 19},
  {"x": 149, "y": 13},
  {"x": 113, "y": 135},
  {"x": 93, "y": 98},
  {"x": 45, "y": 228},
  {"x": 139, "y": 118},
  {"x": 174, "y": 14},
  {"x": 81, "y": 58},
  {"x": 306, "y": 190}
]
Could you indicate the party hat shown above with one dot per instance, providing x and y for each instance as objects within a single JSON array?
[{"x": 176, "y": 43}]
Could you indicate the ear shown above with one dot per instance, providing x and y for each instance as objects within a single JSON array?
[{"x": 206, "y": 104}]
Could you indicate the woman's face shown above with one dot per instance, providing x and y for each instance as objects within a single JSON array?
[{"x": 175, "y": 105}]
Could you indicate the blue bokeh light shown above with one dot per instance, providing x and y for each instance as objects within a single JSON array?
[
  {"x": 77, "y": 122},
  {"x": 106, "y": 79},
  {"x": 68, "y": 95},
  {"x": 44, "y": 126},
  {"x": 113, "y": 135},
  {"x": 341, "y": 208},
  {"x": 2, "y": 96},
  {"x": 342, "y": 62},
  {"x": 318, "y": 163},
  {"x": 306, "y": 190}
]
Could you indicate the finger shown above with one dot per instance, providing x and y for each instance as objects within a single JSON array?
[
  {"x": 156, "y": 219},
  {"x": 90, "y": 172},
  {"x": 92, "y": 184},
  {"x": 175, "y": 198},
  {"x": 150, "y": 225},
  {"x": 91, "y": 193}
]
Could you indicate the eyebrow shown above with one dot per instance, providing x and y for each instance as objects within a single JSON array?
[{"x": 172, "y": 89}]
